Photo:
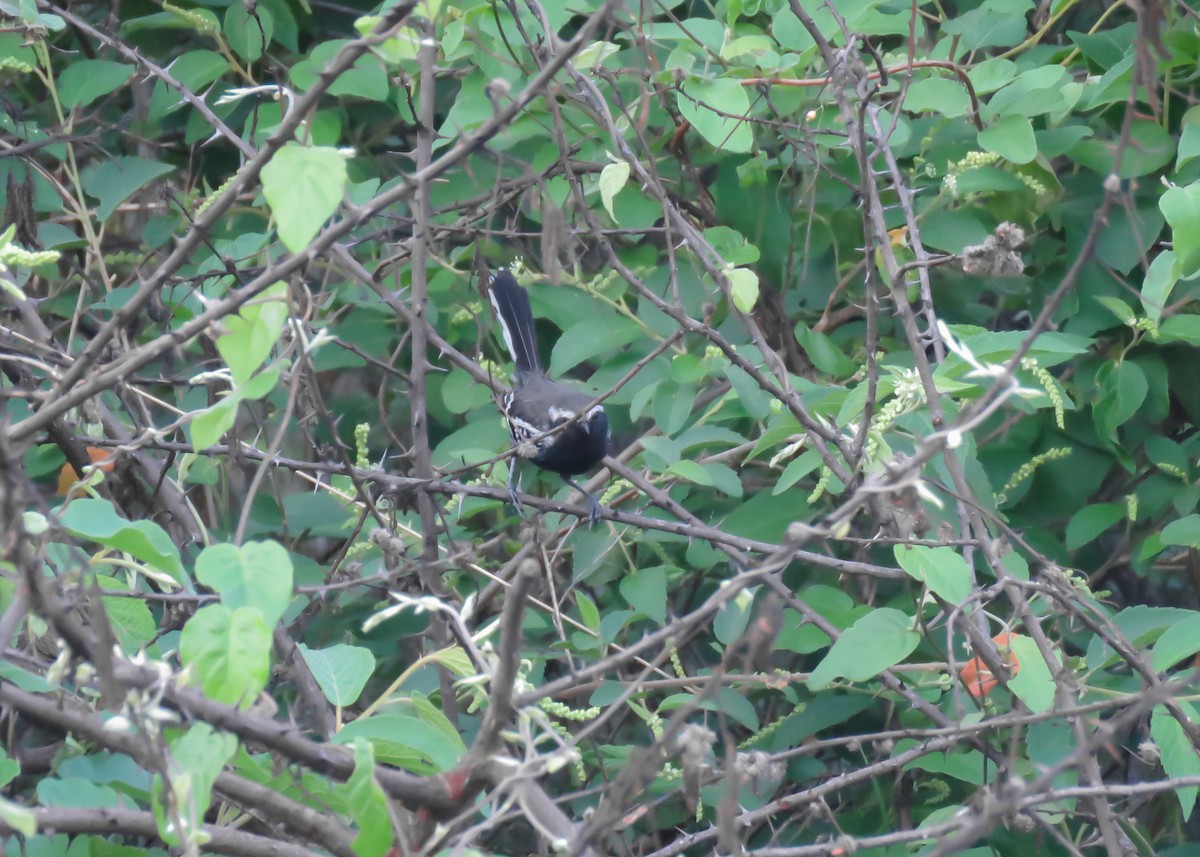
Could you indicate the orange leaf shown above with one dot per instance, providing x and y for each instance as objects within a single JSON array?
[
  {"x": 102, "y": 458},
  {"x": 978, "y": 678}
]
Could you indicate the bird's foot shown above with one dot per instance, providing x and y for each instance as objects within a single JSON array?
[
  {"x": 514, "y": 497},
  {"x": 594, "y": 506}
]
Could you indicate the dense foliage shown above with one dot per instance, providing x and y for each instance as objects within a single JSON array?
[{"x": 891, "y": 306}]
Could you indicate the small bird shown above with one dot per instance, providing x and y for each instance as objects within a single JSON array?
[{"x": 536, "y": 405}]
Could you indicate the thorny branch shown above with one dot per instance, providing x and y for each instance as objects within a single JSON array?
[{"x": 55, "y": 381}]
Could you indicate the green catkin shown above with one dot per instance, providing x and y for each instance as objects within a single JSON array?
[
  {"x": 1046, "y": 380},
  {"x": 1027, "y": 470}
]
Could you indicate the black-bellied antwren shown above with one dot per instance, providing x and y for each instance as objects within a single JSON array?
[{"x": 565, "y": 436}]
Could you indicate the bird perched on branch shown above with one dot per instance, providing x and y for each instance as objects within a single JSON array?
[{"x": 550, "y": 423}]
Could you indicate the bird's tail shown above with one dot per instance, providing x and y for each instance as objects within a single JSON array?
[{"x": 516, "y": 320}]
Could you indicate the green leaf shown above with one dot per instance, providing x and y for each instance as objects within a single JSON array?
[
  {"x": 879, "y": 640},
  {"x": 367, "y": 78},
  {"x": 673, "y": 408},
  {"x": 646, "y": 591},
  {"x": 969, "y": 767},
  {"x": 793, "y": 35},
  {"x": 257, "y": 575},
  {"x": 823, "y": 353},
  {"x": 1049, "y": 348},
  {"x": 612, "y": 178},
  {"x": 1179, "y": 758},
  {"x": 712, "y": 108},
  {"x": 743, "y": 286},
  {"x": 1189, "y": 142},
  {"x": 470, "y": 110},
  {"x": 796, "y": 470},
  {"x": 738, "y": 707},
  {"x": 403, "y": 46},
  {"x": 114, "y": 180},
  {"x": 76, "y": 792},
  {"x": 990, "y": 75},
  {"x": 1141, "y": 624},
  {"x": 1090, "y": 521},
  {"x": 17, "y": 54},
  {"x": 208, "y": 426},
  {"x": 643, "y": 399},
  {"x": 688, "y": 368},
  {"x": 613, "y": 623},
  {"x": 433, "y": 715},
  {"x": 1180, "y": 328},
  {"x": 158, "y": 21},
  {"x": 9, "y": 769},
  {"x": 229, "y": 651},
  {"x": 1185, "y": 532},
  {"x": 692, "y": 471},
  {"x": 1181, "y": 640},
  {"x": 1010, "y": 137},
  {"x": 249, "y": 336},
  {"x": 783, "y": 430},
  {"x": 83, "y": 81},
  {"x": 1151, "y": 148},
  {"x": 588, "y": 613},
  {"x": 986, "y": 26},
  {"x": 590, "y": 338},
  {"x": 407, "y": 742},
  {"x": 1160, "y": 279},
  {"x": 29, "y": 13},
  {"x": 261, "y": 384},
  {"x": 660, "y": 452},
  {"x": 202, "y": 21},
  {"x": 595, "y": 53},
  {"x": 195, "y": 70},
  {"x": 1118, "y": 308},
  {"x": 28, "y": 681},
  {"x": 1034, "y": 682},
  {"x": 304, "y": 186},
  {"x": 201, "y": 752},
  {"x": 732, "y": 618},
  {"x": 461, "y": 393},
  {"x": 98, "y": 521},
  {"x": 752, "y": 397},
  {"x": 732, "y": 246},
  {"x": 826, "y": 710},
  {"x": 1032, "y": 93},
  {"x": 1106, "y": 48},
  {"x": 368, "y": 805},
  {"x": 724, "y": 478},
  {"x": 248, "y": 34},
  {"x": 342, "y": 671},
  {"x": 1167, "y": 455},
  {"x": 19, "y": 818},
  {"x": 130, "y": 618},
  {"x": 938, "y": 95},
  {"x": 1181, "y": 207},
  {"x": 943, "y": 570},
  {"x": 800, "y": 636},
  {"x": 1121, "y": 393}
]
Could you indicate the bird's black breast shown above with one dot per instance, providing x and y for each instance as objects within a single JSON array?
[
  {"x": 577, "y": 448},
  {"x": 537, "y": 405}
]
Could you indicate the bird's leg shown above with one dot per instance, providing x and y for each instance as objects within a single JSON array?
[
  {"x": 514, "y": 485},
  {"x": 593, "y": 503}
]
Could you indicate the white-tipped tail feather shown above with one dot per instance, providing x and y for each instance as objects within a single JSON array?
[{"x": 511, "y": 303}]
